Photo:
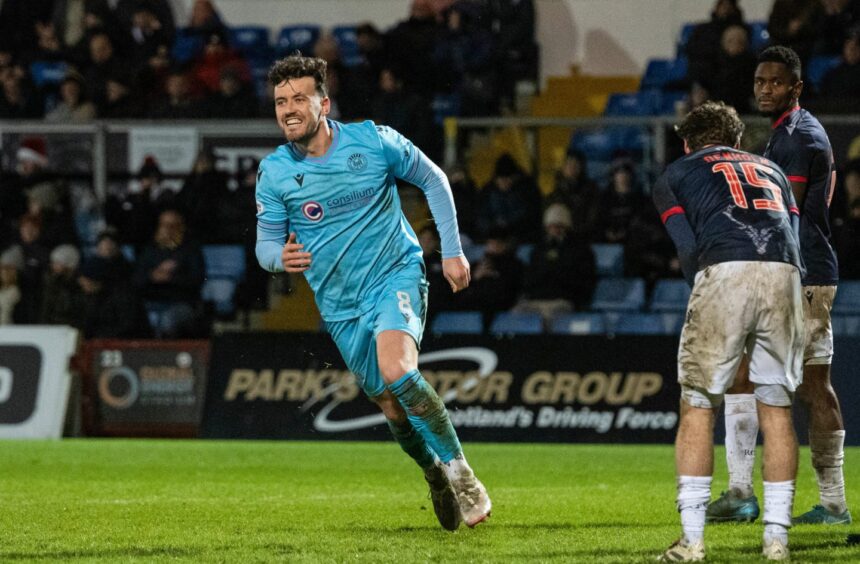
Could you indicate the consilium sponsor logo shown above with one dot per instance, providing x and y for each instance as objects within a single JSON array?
[
  {"x": 19, "y": 382},
  {"x": 312, "y": 210},
  {"x": 485, "y": 360},
  {"x": 354, "y": 200}
]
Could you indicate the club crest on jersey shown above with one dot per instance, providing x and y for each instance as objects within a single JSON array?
[
  {"x": 312, "y": 210},
  {"x": 357, "y": 162}
]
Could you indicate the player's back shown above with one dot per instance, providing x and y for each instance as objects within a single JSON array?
[{"x": 736, "y": 203}]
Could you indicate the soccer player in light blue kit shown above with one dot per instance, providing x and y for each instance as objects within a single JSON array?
[{"x": 327, "y": 206}]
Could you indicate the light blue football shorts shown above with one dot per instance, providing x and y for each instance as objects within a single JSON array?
[{"x": 401, "y": 305}]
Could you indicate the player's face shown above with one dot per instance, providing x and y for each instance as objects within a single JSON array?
[
  {"x": 299, "y": 108},
  {"x": 775, "y": 88}
]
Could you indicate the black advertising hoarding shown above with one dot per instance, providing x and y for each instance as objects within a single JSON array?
[
  {"x": 146, "y": 388},
  {"x": 543, "y": 388}
]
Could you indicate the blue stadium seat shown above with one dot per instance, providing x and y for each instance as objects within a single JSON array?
[
  {"x": 759, "y": 36},
  {"x": 458, "y": 322},
  {"x": 225, "y": 269},
  {"x": 347, "y": 40},
  {"x": 661, "y": 72},
  {"x": 649, "y": 324},
  {"x": 509, "y": 322},
  {"x": 609, "y": 258},
  {"x": 684, "y": 36},
  {"x": 619, "y": 294},
  {"x": 847, "y": 298},
  {"x": 186, "y": 46},
  {"x": 670, "y": 295},
  {"x": 250, "y": 39},
  {"x": 48, "y": 73},
  {"x": 846, "y": 325},
  {"x": 669, "y": 101},
  {"x": 642, "y": 103},
  {"x": 818, "y": 68},
  {"x": 584, "y": 323},
  {"x": 445, "y": 105},
  {"x": 524, "y": 253},
  {"x": 595, "y": 143},
  {"x": 300, "y": 38}
]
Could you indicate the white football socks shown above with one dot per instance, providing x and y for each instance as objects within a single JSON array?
[
  {"x": 694, "y": 492},
  {"x": 827, "y": 456},
  {"x": 741, "y": 434},
  {"x": 778, "y": 501}
]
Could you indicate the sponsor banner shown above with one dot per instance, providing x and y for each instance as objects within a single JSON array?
[
  {"x": 147, "y": 388},
  {"x": 34, "y": 380},
  {"x": 529, "y": 388}
]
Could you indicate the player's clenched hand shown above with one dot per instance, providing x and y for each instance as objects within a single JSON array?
[
  {"x": 456, "y": 271},
  {"x": 293, "y": 258}
]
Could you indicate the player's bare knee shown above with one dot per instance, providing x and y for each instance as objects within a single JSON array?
[{"x": 393, "y": 369}]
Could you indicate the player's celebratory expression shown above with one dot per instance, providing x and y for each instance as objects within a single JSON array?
[
  {"x": 300, "y": 109},
  {"x": 776, "y": 89}
]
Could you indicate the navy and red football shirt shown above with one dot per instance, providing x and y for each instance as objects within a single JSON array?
[
  {"x": 737, "y": 205},
  {"x": 800, "y": 146}
]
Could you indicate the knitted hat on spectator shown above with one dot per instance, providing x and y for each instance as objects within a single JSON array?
[
  {"x": 66, "y": 255},
  {"x": 557, "y": 214},
  {"x": 13, "y": 256},
  {"x": 33, "y": 149}
]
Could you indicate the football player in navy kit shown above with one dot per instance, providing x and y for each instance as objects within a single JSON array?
[
  {"x": 732, "y": 217},
  {"x": 799, "y": 145}
]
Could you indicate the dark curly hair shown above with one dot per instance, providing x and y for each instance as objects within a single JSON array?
[
  {"x": 712, "y": 123},
  {"x": 297, "y": 66},
  {"x": 784, "y": 55}
]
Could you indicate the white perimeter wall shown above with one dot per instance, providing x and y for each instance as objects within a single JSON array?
[{"x": 607, "y": 37}]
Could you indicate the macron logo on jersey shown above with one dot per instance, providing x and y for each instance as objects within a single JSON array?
[
  {"x": 313, "y": 211},
  {"x": 300, "y": 178}
]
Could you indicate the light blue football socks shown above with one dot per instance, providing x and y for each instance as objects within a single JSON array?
[{"x": 428, "y": 415}]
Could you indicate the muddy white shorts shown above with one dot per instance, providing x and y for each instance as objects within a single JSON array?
[
  {"x": 735, "y": 306},
  {"x": 817, "y": 303}
]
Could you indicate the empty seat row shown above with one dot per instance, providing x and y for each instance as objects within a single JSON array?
[{"x": 588, "y": 323}]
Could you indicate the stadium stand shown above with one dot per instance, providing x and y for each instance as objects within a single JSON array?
[
  {"x": 619, "y": 294},
  {"x": 847, "y": 298},
  {"x": 584, "y": 323},
  {"x": 670, "y": 295},
  {"x": 300, "y": 37},
  {"x": 458, "y": 322},
  {"x": 649, "y": 324},
  {"x": 512, "y": 323},
  {"x": 609, "y": 258},
  {"x": 225, "y": 270},
  {"x": 846, "y": 325}
]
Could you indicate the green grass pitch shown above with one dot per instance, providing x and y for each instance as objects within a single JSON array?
[{"x": 213, "y": 501}]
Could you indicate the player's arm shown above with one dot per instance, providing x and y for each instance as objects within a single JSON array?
[
  {"x": 675, "y": 220},
  {"x": 410, "y": 164},
  {"x": 272, "y": 224}
]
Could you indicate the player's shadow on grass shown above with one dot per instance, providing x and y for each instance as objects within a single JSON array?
[{"x": 130, "y": 552}]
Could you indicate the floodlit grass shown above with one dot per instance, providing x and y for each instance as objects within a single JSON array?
[{"x": 205, "y": 501}]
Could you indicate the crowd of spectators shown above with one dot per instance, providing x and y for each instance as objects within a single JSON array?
[
  {"x": 825, "y": 34},
  {"x": 122, "y": 61}
]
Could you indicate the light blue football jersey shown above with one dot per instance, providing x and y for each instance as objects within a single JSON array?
[{"x": 345, "y": 210}]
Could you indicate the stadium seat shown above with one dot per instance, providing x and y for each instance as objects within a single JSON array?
[
  {"x": 128, "y": 252},
  {"x": 662, "y": 72},
  {"x": 585, "y": 323},
  {"x": 684, "y": 36},
  {"x": 445, "y": 105},
  {"x": 524, "y": 253},
  {"x": 225, "y": 269},
  {"x": 669, "y": 101},
  {"x": 649, "y": 324},
  {"x": 847, "y": 298},
  {"x": 619, "y": 294},
  {"x": 47, "y": 73},
  {"x": 186, "y": 46},
  {"x": 347, "y": 40},
  {"x": 846, "y": 325},
  {"x": 251, "y": 40},
  {"x": 297, "y": 38},
  {"x": 597, "y": 144},
  {"x": 670, "y": 295},
  {"x": 759, "y": 36},
  {"x": 818, "y": 68},
  {"x": 511, "y": 323},
  {"x": 642, "y": 103},
  {"x": 458, "y": 322},
  {"x": 609, "y": 258}
]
